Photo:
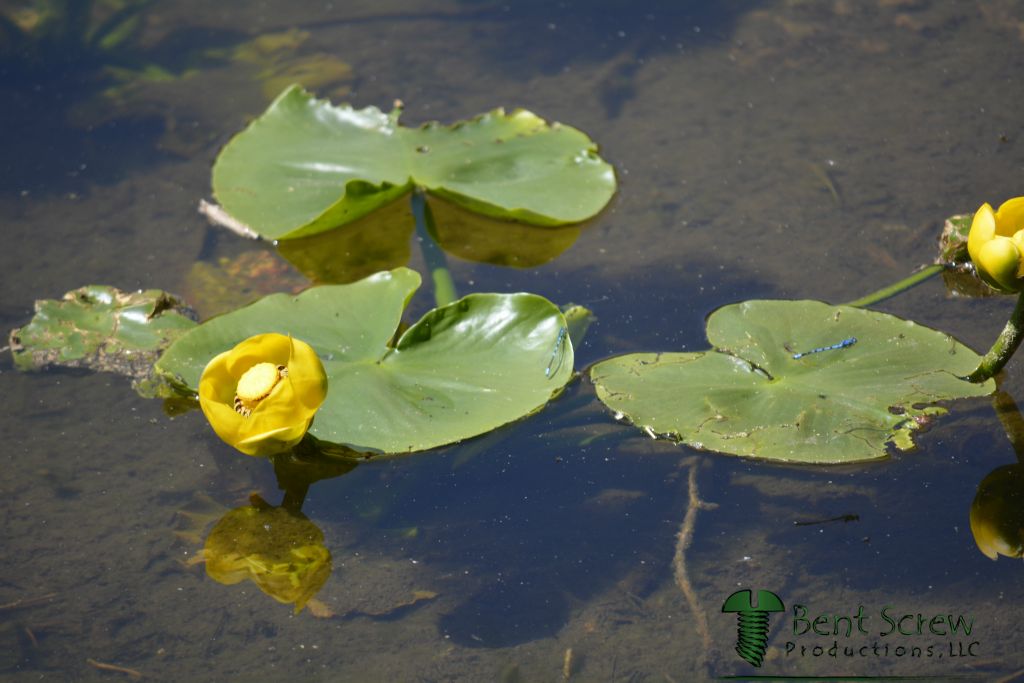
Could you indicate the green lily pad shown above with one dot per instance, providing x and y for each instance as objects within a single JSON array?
[
  {"x": 462, "y": 370},
  {"x": 306, "y": 166},
  {"x": 101, "y": 328},
  {"x": 751, "y": 397}
]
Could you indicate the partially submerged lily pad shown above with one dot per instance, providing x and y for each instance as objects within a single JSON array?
[
  {"x": 233, "y": 281},
  {"x": 101, "y": 328},
  {"x": 462, "y": 370},
  {"x": 959, "y": 275},
  {"x": 306, "y": 166},
  {"x": 751, "y": 397}
]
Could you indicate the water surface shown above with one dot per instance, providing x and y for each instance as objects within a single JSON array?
[{"x": 769, "y": 149}]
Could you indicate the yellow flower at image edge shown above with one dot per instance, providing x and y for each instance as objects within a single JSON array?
[
  {"x": 996, "y": 245},
  {"x": 261, "y": 396}
]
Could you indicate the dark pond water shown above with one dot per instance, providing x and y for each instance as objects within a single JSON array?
[{"x": 786, "y": 149}]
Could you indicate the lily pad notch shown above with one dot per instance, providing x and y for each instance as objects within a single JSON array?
[{"x": 306, "y": 166}]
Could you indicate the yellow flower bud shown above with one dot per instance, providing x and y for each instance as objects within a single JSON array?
[
  {"x": 996, "y": 245},
  {"x": 261, "y": 396}
]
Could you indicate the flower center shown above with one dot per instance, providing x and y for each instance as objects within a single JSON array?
[{"x": 255, "y": 384}]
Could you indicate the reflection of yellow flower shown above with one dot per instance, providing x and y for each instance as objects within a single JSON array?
[
  {"x": 997, "y": 515},
  {"x": 996, "y": 245},
  {"x": 261, "y": 395},
  {"x": 281, "y": 552}
]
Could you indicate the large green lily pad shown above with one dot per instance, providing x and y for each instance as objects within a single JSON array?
[
  {"x": 751, "y": 397},
  {"x": 306, "y": 166},
  {"x": 101, "y": 328},
  {"x": 461, "y": 370}
]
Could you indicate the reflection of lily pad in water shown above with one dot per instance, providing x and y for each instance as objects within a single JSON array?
[
  {"x": 235, "y": 281},
  {"x": 380, "y": 241},
  {"x": 283, "y": 553},
  {"x": 376, "y": 242},
  {"x": 103, "y": 329},
  {"x": 482, "y": 239},
  {"x": 752, "y": 396}
]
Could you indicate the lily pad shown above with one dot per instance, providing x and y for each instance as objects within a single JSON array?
[
  {"x": 306, "y": 166},
  {"x": 101, "y": 328},
  {"x": 753, "y": 397},
  {"x": 462, "y": 370},
  {"x": 959, "y": 275}
]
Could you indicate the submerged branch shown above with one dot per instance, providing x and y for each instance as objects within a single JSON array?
[
  {"x": 683, "y": 540},
  {"x": 218, "y": 216}
]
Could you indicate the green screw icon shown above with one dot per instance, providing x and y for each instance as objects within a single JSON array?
[{"x": 752, "y": 633}]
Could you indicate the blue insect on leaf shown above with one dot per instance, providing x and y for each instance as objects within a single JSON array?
[
  {"x": 838, "y": 345},
  {"x": 557, "y": 354}
]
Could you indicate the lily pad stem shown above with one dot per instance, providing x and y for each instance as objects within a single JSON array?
[
  {"x": 899, "y": 287},
  {"x": 433, "y": 255},
  {"x": 1005, "y": 346}
]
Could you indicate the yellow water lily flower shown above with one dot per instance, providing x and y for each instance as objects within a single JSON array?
[
  {"x": 996, "y": 245},
  {"x": 261, "y": 396}
]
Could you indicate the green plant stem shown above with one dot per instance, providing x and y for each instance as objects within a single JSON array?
[
  {"x": 1013, "y": 422},
  {"x": 1004, "y": 347},
  {"x": 433, "y": 255},
  {"x": 899, "y": 287}
]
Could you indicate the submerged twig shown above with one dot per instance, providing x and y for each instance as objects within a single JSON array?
[
  {"x": 683, "y": 540},
  {"x": 838, "y": 518},
  {"x": 567, "y": 663},
  {"x": 1016, "y": 675},
  {"x": 103, "y": 666},
  {"x": 27, "y": 602},
  {"x": 31, "y": 636},
  {"x": 218, "y": 216}
]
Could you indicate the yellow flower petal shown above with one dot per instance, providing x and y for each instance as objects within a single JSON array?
[
  {"x": 1010, "y": 216},
  {"x": 216, "y": 383},
  {"x": 306, "y": 374},
  {"x": 983, "y": 229},
  {"x": 270, "y": 348},
  {"x": 222, "y": 416},
  {"x": 998, "y": 263}
]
